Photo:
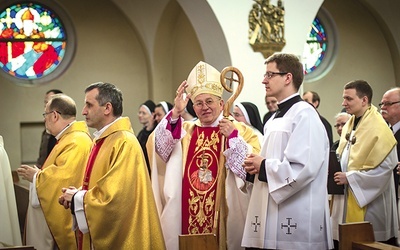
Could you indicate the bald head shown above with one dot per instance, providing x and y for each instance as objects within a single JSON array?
[{"x": 64, "y": 105}]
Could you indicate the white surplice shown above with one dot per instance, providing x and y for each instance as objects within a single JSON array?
[
  {"x": 291, "y": 211},
  {"x": 37, "y": 232},
  {"x": 9, "y": 230}
]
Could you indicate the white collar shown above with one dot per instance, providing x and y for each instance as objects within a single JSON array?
[
  {"x": 98, "y": 133},
  {"x": 58, "y": 136}
]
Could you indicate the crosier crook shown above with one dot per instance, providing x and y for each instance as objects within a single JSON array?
[{"x": 220, "y": 200}]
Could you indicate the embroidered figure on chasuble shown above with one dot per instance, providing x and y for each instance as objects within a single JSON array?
[{"x": 198, "y": 200}]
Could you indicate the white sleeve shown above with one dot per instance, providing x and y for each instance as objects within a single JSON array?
[
  {"x": 235, "y": 155},
  {"x": 368, "y": 185},
  {"x": 32, "y": 190},
  {"x": 164, "y": 141},
  {"x": 80, "y": 217}
]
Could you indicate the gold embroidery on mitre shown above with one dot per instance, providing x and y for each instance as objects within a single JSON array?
[
  {"x": 204, "y": 79},
  {"x": 201, "y": 76}
]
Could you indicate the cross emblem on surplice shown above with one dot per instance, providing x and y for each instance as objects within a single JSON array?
[
  {"x": 255, "y": 224},
  {"x": 289, "y": 226},
  {"x": 288, "y": 182}
]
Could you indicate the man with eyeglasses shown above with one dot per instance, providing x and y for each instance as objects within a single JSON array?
[
  {"x": 289, "y": 203},
  {"x": 367, "y": 156},
  {"x": 390, "y": 110},
  {"x": 192, "y": 150},
  {"x": 48, "y": 225},
  {"x": 340, "y": 120},
  {"x": 48, "y": 141}
]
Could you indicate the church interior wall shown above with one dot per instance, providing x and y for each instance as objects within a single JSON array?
[
  {"x": 176, "y": 50},
  {"x": 147, "y": 49},
  {"x": 387, "y": 17}
]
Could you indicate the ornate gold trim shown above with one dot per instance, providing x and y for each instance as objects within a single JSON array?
[{"x": 267, "y": 27}]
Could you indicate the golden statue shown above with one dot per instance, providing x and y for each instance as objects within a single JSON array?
[{"x": 267, "y": 27}]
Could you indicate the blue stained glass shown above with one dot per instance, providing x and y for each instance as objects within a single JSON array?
[
  {"x": 315, "y": 47},
  {"x": 32, "y": 40}
]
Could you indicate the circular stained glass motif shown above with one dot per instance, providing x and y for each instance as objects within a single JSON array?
[
  {"x": 315, "y": 47},
  {"x": 32, "y": 41}
]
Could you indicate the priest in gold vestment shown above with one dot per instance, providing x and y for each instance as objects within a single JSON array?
[
  {"x": 186, "y": 196},
  {"x": 115, "y": 207},
  {"x": 48, "y": 226}
]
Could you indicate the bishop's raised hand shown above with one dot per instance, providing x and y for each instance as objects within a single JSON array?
[{"x": 181, "y": 100}]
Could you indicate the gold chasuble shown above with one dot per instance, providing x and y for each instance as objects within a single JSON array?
[
  {"x": 370, "y": 143},
  {"x": 200, "y": 181},
  {"x": 63, "y": 167},
  {"x": 119, "y": 205}
]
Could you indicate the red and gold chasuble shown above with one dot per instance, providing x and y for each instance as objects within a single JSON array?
[
  {"x": 199, "y": 184},
  {"x": 86, "y": 180}
]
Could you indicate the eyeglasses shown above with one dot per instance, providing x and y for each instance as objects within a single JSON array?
[
  {"x": 387, "y": 104},
  {"x": 209, "y": 102},
  {"x": 337, "y": 125},
  {"x": 46, "y": 113},
  {"x": 236, "y": 114},
  {"x": 269, "y": 74}
]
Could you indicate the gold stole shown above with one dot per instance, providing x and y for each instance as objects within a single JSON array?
[
  {"x": 86, "y": 180},
  {"x": 199, "y": 182},
  {"x": 372, "y": 142}
]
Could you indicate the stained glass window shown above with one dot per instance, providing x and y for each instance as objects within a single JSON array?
[
  {"x": 315, "y": 47},
  {"x": 32, "y": 42}
]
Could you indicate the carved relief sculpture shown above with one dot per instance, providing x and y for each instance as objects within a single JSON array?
[{"x": 267, "y": 27}]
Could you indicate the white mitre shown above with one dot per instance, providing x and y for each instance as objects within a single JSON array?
[{"x": 204, "y": 79}]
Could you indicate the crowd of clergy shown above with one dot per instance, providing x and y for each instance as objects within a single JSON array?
[{"x": 207, "y": 167}]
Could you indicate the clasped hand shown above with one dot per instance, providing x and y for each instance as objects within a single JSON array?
[
  {"x": 66, "y": 197},
  {"x": 252, "y": 163}
]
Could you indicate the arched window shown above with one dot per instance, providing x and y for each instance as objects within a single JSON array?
[
  {"x": 36, "y": 45},
  {"x": 315, "y": 47},
  {"x": 320, "y": 48}
]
